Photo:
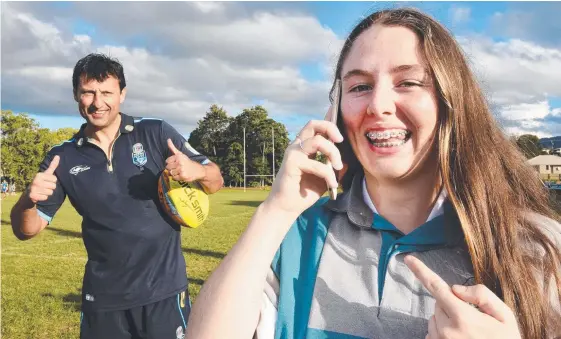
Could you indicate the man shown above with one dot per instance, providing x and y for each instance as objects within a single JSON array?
[
  {"x": 4, "y": 188},
  {"x": 135, "y": 283}
]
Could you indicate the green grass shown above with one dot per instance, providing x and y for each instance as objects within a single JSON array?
[{"x": 42, "y": 277}]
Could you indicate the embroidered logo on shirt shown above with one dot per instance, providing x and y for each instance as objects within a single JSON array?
[
  {"x": 77, "y": 169},
  {"x": 139, "y": 155},
  {"x": 90, "y": 297}
]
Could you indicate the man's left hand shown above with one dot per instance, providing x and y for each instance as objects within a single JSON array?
[{"x": 181, "y": 168}]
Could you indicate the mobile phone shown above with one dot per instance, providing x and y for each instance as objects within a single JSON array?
[{"x": 332, "y": 116}]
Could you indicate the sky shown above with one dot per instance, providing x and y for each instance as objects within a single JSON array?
[{"x": 182, "y": 57}]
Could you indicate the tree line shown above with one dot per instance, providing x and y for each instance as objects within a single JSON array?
[
  {"x": 530, "y": 145},
  {"x": 220, "y": 137},
  {"x": 24, "y": 146}
]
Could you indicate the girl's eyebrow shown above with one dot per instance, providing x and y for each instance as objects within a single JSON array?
[
  {"x": 355, "y": 72},
  {"x": 404, "y": 68},
  {"x": 396, "y": 69}
]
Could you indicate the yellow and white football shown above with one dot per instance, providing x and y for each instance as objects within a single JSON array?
[{"x": 186, "y": 203}]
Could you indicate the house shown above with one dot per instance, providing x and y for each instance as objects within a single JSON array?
[{"x": 548, "y": 166}]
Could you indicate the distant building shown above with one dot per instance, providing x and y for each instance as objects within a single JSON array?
[{"x": 548, "y": 166}]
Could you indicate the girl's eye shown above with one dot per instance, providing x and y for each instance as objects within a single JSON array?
[
  {"x": 409, "y": 84},
  {"x": 360, "y": 88}
]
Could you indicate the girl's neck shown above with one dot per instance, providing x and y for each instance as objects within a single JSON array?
[{"x": 405, "y": 203}]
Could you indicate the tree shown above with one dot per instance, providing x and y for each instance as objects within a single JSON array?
[
  {"x": 259, "y": 148},
  {"x": 24, "y": 146},
  {"x": 221, "y": 138},
  {"x": 208, "y": 137},
  {"x": 60, "y": 135},
  {"x": 233, "y": 166},
  {"x": 530, "y": 145}
]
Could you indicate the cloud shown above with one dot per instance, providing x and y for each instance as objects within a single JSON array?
[
  {"x": 460, "y": 15},
  {"x": 531, "y": 118},
  {"x": 532, "y": 21},
  {"x": 181, "y": 57},
  {"x": 525, "y": 111},
  {"x": 27, "y": 41},
  {"x": 236, "y": 32},
  {"x": 208, "y": 6},
  {"x": 224, "y": 55},
  {"x": 519, "y": 78},
  {"x": 515, "y": 70}
]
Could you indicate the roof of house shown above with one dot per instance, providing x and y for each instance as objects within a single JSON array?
[{"x": 545, "y": 160}]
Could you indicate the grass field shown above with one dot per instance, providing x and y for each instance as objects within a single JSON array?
[{"x": 42, "y": 277}]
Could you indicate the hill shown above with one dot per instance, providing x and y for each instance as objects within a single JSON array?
[{"x": 546, "y": 142}]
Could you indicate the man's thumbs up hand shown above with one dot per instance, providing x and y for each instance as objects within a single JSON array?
[
  {"x": 181, "y": 168},
  {"x": 44, "y": 183}
]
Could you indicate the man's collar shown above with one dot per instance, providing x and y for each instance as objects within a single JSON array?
[
  {"x": 127, "y": 123},
  {"x": 127, "y": 126}
]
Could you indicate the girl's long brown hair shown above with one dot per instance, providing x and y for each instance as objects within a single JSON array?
[{"x": 488, "y": 182}]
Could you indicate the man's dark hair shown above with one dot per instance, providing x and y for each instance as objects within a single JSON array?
[{"x": 99, "y": 67}]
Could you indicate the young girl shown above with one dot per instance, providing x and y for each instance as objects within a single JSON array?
[{"x": 442, "y": 230}]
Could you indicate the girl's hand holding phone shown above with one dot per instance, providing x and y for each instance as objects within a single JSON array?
[{"x": 301, "y": 180}]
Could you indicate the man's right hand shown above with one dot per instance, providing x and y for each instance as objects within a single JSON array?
[{"x": 44, "y": 183}]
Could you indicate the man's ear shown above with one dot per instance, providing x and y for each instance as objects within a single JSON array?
[
  {"x": 123, "y": 95},
  {"x": 75, "y": 95}
]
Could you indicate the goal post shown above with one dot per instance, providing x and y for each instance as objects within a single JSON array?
[{"x": 245, "y": 175}]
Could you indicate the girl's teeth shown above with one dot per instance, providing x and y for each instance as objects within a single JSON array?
[
  {"x": 386, "y": 134},
  {"x": 389, "y": 144}
]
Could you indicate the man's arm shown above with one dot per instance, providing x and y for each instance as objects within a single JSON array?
[
  {"x": 212, "y": 181},
  {"x": 26, "y": 219},
  {"x": 186, "y": 164},
  {"x": 26, "y": 222},
  {"x": 182, "y": 168}
]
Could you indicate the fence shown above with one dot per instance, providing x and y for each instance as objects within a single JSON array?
[{"x": 550, "y": 177}]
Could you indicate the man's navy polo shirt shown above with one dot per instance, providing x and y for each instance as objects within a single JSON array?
[{"x": 134, "y": 248}]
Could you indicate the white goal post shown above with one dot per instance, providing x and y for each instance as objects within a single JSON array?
[{"x": 245, "y": 175}]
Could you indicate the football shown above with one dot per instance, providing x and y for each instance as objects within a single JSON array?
[{"x": 186, "y": 203}]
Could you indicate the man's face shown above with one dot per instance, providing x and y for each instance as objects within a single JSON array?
[{"x": 99, "y": 102}]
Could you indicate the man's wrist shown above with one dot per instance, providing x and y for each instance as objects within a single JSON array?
[
  {"x": 202, "y": 172},
  {"x": 25, "y": 201}
]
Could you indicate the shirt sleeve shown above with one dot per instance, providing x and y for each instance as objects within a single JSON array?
[
  {"x": 48, "y": 208},
  {"x": 269, "y": 308},
  {"x": 168, "y": 132}
]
